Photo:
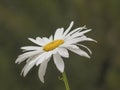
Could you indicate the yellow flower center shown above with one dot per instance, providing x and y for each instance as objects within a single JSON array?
[{"x": 52, "y": 45}]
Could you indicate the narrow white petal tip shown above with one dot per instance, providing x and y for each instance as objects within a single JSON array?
[
  {"x": 43, "y": 81},
  {"x": 95, "y": 41},
  {"x": 62, "y": 71},
  {"x": 41, "y": 78},
  {"x": 37, "y": 38},
  {"x": 88, "y": 30},
  {"x": 84, "y": 26},
  {"x": 88, "y": 57},
  {"x": 37, "y": 64},
  {"x": 29, "y": 38},
  {"x": 22, "y": 74},
  {"x": 16, "y": 61},
  {"x": 72, "y": 22}
]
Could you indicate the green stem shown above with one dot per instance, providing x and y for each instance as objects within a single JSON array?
[{"x": 65, "y": 81}]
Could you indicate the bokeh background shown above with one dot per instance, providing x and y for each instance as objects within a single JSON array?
[{"x": 20, "y": 19}]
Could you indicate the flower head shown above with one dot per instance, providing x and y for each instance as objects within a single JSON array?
[{"x": 56, "y": 46}]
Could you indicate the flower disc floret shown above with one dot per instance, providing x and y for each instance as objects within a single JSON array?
[{"x": 52, "y": 45}]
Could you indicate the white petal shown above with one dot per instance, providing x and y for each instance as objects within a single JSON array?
[
  {"x": 85, "y": 31},
  {"x": 79, "y": 39},
  {"x": 73, "y": 41},
  {"x": 55, "y": 51},
  {"x": 32, "y": 59},
  {"x": 40, "y": 58},
  {"x": 63, "y": 52},
  {"x": 42, "y": 70},
  {"x": 46, "y": 40},
  {"x": 84, "y": 38},
  {"x": 79, "y": 52},
  {"x": 58, "y": 33},
  {"x": 38, "y": 38},
  {"x": 51, "y": 38},
  {"x": 36, "y": 41},
  {"x": 86, "y": 48},
  {"x": 69, "y": 46},
  {"x": 43, "y": 57},
  {"x": 78, "y": 34},
  {"x": 27, "y": 48},
  {"x": 41, "y": 41},
  {"x": 59, "y": 62},
  {"x": 26, "y": 55},
  {"x": 27, "y": 68},
  {"x": 75, "y": 30},
  {"x": 68, "y": 29}
]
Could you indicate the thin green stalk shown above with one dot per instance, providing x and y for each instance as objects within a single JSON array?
[{"x": 65, "y": 81}]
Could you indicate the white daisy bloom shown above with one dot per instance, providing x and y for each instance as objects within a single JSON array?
[{"x": 56, "y": 46}]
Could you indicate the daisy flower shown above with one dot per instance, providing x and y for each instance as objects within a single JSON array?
[{"x": 56, "y": 46}]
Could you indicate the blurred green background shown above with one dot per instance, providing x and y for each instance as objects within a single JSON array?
[{"x": 20, "y": 19}]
